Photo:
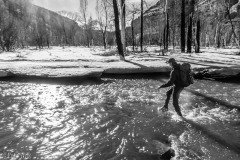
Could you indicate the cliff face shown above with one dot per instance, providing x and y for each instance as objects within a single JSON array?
[
  {"x": 51, "y": 17},
  {"x": 73, "y": 16},
  {"x": 215, "y": 24}
]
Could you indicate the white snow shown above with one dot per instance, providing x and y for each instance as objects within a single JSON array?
[{"x": 80, "y": 61}]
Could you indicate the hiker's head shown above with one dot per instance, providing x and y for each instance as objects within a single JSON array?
[{"x": 171, "y": 62}]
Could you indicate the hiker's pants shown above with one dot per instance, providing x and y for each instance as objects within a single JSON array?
[{"x": 175, "y": 91}]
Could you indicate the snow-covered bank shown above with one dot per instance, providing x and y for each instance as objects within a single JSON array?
[{"x": 92, "y": 62}]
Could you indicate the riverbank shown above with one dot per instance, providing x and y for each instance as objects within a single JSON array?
[{"x": 79, "y": 62}]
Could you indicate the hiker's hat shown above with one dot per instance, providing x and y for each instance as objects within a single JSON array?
[{"x": 171, "y": 60}]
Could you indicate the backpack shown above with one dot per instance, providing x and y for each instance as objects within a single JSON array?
[{"x": 186, "y": 74}]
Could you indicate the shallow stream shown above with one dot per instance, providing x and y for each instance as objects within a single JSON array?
[{"x": 118, "y": 119}]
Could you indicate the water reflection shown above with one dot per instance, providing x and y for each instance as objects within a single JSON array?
[{"x": 117, "y": 120}]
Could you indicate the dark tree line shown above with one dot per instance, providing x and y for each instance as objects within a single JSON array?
[{"x": 23, "y": 24}]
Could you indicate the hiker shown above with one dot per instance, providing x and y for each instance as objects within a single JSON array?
[{"x": 177, "y": 83}]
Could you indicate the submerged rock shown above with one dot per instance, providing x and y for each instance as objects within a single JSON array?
[{"x": 4, "y": 73}]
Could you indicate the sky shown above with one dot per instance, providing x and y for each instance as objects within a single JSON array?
[{"x": 71, "y": 5}]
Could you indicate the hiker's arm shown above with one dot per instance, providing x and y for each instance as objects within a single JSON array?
[{"x": 170, "y": 81}]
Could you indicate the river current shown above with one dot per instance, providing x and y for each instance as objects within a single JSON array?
[{"x": 118, "y": 119}]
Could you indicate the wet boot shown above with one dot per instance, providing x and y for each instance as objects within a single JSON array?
[
  {"x": 177, "y": 109},
  {"x": 179, "y": 113},
  {"x": 164, "y": 108}
]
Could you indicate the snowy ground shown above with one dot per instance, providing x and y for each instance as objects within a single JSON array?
[{"x": 92, "y": 62}]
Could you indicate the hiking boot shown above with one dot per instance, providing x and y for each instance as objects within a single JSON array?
[
  {"x": 180, "y": 114},
  {"x": 164, "y": 109}
]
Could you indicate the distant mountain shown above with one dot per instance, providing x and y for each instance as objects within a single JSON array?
[
  {"x": 34, "y": 25},
  {"x": 52, "y": 16},
  {"x": 75, "y": 16}
]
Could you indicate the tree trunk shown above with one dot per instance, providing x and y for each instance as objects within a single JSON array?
[
  {"x": 174, "y": 28},
  {"x": 104, "y": 33},
  {"x": 48, "y": 43},
  {"x": 217, "y": 36},
  {"x": 104, "y": 40},
  {"x": 88, "y": 41},
  {"x": 123, "y": 24},
  {"x": 141, "y": 41},
  {"x": 22, "y": 43},
  {"x": 1, "y": 43},
  {"x": 133, "y": 42},
  {"x": 197, "y": 45},
  {"x": 183, "y": 26},
  {"x": 173, "y": 37},
  {"x": 235, "y": 36},
  {"x": 167, "y": 32},
  {"x": 189, "y": 38},
  {"x": 117, "y": 31},
  {"x": 164, "y": 37},
  {"x": 7, "y": 45},
  {"x": 224, "y": 42}
]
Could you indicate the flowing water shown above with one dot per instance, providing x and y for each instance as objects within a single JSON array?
[{"x": 116, "y": 120}]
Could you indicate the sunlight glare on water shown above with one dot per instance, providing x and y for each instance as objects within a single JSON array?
[{"x": 118, "y": 120}]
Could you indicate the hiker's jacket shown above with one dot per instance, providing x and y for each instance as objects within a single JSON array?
[{"x": 175, "y": 78}]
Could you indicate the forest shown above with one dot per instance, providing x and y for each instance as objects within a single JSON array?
[{"x": 188, "y": 24}]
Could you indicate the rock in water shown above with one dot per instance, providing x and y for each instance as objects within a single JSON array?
[
  {"x": 168, "y": 155},
  {"x": 163, "y": 150},
  {"x": 3, "y": 73},
  {"x": 161, "y": 147}
]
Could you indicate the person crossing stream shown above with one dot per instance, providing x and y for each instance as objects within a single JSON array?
[{"x": 180, "y": 77}]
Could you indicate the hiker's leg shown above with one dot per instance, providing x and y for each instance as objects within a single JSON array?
[
  {"x": 169, "y": 93},
  {"x": 176, "y": 94}
]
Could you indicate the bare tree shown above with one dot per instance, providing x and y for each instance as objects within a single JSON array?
[
  {"x": 141, "y": 40},
  {"x": 24, "y": 24},
  {"x": 198, "y": 27},
  {"x": 133, "y": 11},
  {"x": 104, "y": 13},
  {"x": 230, "y": 19},
  {"x": 166, "y": 27},
  {"x": 90, "y": 27},
  {"x": 172, "y": 12},
  {"x": 8, "y": 26},
  {"x": 64, "y": 35},
  {"x": 190, "y": 24},
  {"x": 117, "y": 30},
  {"x": 183, "y": 26},
  {"x": 197, "y": 44},
  {"x": 84, "y": 17},
  {"x": 123, "y": 24}
]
